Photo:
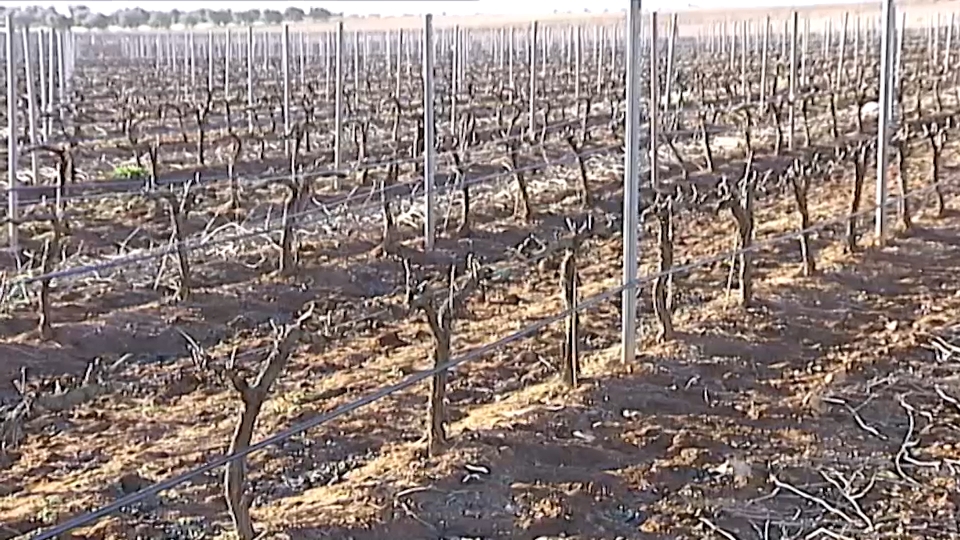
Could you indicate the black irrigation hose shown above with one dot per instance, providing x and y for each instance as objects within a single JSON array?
[{"x": 90, "y": 517}]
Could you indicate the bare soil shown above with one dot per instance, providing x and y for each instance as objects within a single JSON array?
[
  {"x": 750, "y": 418},
  {"x": 647, "y": 450}
]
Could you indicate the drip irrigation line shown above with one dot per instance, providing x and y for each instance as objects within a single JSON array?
[
  {"x": 410, "y": 381},
  {"x": 324, "y": 215},
  {"x": 218, "y": 181}
]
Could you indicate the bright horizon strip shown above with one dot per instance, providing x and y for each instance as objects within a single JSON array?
[{"x": 438, "y": 7}]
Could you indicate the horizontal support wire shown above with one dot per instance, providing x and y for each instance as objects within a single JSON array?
[
  {"x": 583, "y": 305},
  {"x": 352, "y": 168},
  {"x": 217, "y": 181},
  {"x": 192, "y": 244}
]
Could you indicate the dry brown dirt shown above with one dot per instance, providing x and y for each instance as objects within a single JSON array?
[
  {"x": 817, "y": 384},
  {"x": 689, "y": 437}
]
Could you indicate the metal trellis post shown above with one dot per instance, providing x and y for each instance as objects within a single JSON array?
[
  {"x": 12, "y": 147},
  {"x": 631, "y": 186},
  {"x": 429, "y": 159},
  {"x": 883, "y": 119}
]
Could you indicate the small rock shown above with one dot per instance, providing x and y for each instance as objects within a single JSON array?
[
  {"x": 740, "y": 470},
  {"x": 357, "y": 359},
  {"x": 132, "y": 483},
  {"x": 390, "y": 340},
  {"x": 9, "y": 489},
  {"x": 329, "y": 394},
  {"x": 510, "y": 299},
  {"x": 147, "y": 532},
  {"x": 182, "y": 385},
  {"x": 588, "y": 437},
  {"x": 526, "y": 357},
  {"x": 548, "y": 265}
]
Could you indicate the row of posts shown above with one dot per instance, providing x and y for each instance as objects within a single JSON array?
[
  {"x": 55, "y": 63},
  {"x": 66, "y": 56},
  {"x": 890, "y": 50}
]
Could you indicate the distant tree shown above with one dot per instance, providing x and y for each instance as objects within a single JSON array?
[
  {"x": 190, "y": 20},
  {"x": 161, "y": 19},
  {"x": 38, "y": 15},
  {"x": 249, "y": 16},
  {"x": 319, "y": 14},
  {"x": 96, "y": 20},
  {"x": 56, "y": 20},
  {"x": 78, "y": 13},
  {"x": 221, "y": 17},
  {"x": 293, "y": 14},
  {"x": 271, "y": 16},
  {"x": 132, "y": 18},
  {"x": 81, "y": 15},
  {"x": 51, "y": 17},
  {"x": 23, "y": 16}
]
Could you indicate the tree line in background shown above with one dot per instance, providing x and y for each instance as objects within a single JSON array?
[{"x": 82, "y": 16}]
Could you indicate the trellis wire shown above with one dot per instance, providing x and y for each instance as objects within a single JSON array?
[
  {"x": 171, "y": 247},
  {"x": 217, "y": 181},
  {"x": 582, "y": 305}
]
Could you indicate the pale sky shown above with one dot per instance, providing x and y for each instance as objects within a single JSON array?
[{"x": 451, "y": 7}]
